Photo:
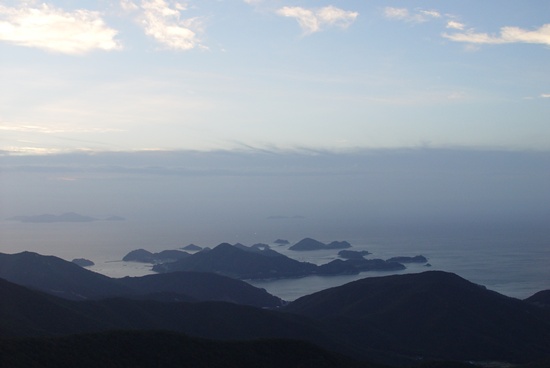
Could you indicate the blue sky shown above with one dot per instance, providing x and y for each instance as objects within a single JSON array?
[{"x": 206, "y": 75}]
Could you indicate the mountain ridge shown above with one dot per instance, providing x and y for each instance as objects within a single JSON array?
[
  {"x": 390, "y": 319},
  {"x": 65, "y": 279},
  {"x": 433, "y": 312}
]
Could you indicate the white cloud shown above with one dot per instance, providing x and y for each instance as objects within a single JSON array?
[
  {"x": 52, "y": 29},
  {"x": 305, "y": 17},
  {"x": 162, "y": 21},
  {"x": 507, "y": 35},
  {"x": 404, "y": 14},
  {"x": 335, "y": 16},
  {"x": 312, "y": 21},
  {"x": 430, "y": 13},
  {"x": 545, "y": 95},
  {"x": 452, "y": 24}
]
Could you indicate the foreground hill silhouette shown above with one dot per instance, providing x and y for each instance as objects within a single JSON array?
[
  {"x": 392, "y": 319},
  {"x": 542, "y": 298},
  {"x": 432, "y": 314},
  {"x": 201, "y": 286},
  {"x": 65, "y": 279},
  {"x": 124, "y": 349},
  {"x": 25, "y": 312},
  {"x": 57, "y": 276},
  {"x": 29, "y": 313}
]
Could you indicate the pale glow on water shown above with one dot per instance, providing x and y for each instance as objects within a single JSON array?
[{"x": 118, "y": 269}]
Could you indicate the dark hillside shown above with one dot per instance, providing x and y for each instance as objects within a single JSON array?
[
  {"x": 432, "y": 314},
  {"x": 57, "y": 276},
  {"x": 164, "y": 349},
  {"x": 393, "y": 319},
  {"x": 542, "y": 298},
  {"x": 202, "y": 286},
  {"x": 25, "y": 312},
  {"x": 67, "y": 280}
]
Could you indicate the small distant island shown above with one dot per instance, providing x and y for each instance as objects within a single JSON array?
[
  {"x": 49, "y": 218},
  {"x": 312, "y": 244},
  {"x": 64, "y": 217},
  {"x": 281, "y": 242},
  {"x": 144, "y": 256},
  {"x": 83, "y": 262},
  {"x": 353, "y": 254},
  {"x": 192, "y": 248},
  {"x": 415, "y": 259}
]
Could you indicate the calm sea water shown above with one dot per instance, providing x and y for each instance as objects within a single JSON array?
[
  {"x": 518, "y": 269},
  {"x": 511, "y": 261}
]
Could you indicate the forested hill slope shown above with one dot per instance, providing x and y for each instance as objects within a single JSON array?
[{"x": 433, "y": 313}]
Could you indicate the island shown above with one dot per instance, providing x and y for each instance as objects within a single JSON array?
[
  {"x": 307, "y": 244},
  {"x": 192, "y": 248},
  {"x": 64, "y": 217},
  {"x": 353, "y": 254},
  {"x": 415, "y": 259},
  {"x": 49, "y": 218},
  {"x": 248, "y": 263},
  {"x": 144, "y": 256},
  {"x": 83, "y": 262}
]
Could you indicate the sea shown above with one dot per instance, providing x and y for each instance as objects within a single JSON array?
[{"x": 512, "y": 260}]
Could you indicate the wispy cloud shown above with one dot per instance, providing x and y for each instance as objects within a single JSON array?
[
  {"x": 313, "y": 20},
  {"x": 29, "y": 151},
  {"x": 545, "y": 95},
  {"x": 453, "y": 24},
  {"x": 54, "y": 130},
  {"x": 403, "y": 14},
  {"x": 429, "y": 13},
  {"x": 46, "y": 27},
  {"x": 162, "y": 21},
  {"x": 507, "y": 35}
]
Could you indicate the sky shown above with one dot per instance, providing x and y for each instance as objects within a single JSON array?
[
  {"x": 210, "y": 121},
  {"x": 269, "y": 74}
]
